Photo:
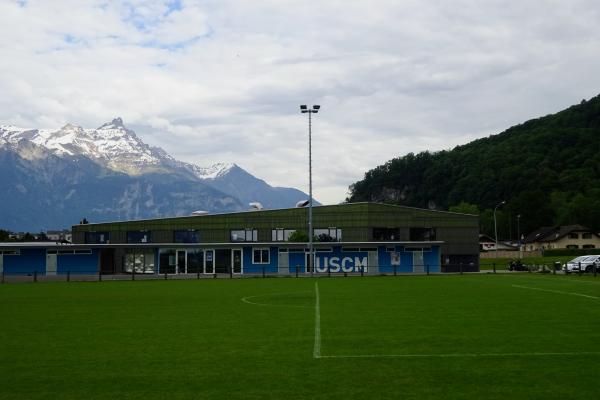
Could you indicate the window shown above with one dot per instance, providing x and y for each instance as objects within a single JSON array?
[
  {"x": 261, "y": 256},
  {"x": 328, "y": 234},
  {"x": 588, "y": 246},
  {"x": 573, "y": 236},
  {"x": 386, "y": 233},
  {"x": 97, "y": 237},
  {"x": 587, "y": 235},
  {"x": 572, "y": 246},
  {"x": 281, "y": 235},
  {"x": 139, "y": 237},
  {"x": 11, "y": 252},
  {"x": 142, "y": 261},
  {"x": 186, "y": 236},
  {"x": 70, "y": 252},
  {"x": 422, "y": 234},
  {"x": 244, "y": 235}
]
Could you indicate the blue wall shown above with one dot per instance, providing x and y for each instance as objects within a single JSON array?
[
  {"x": 29, "y": 261},
  {"x": 78, "y": 263},
  {"x": 295, "y": 260},
  {"x": 248, "y": 261}
]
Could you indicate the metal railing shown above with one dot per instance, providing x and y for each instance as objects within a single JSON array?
[{"x": 298, "y": 271}]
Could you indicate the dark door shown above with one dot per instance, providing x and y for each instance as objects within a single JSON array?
[{"x": 107, "y": 261}]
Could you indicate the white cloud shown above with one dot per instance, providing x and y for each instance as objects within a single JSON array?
[{"x": 222, "y": 80}]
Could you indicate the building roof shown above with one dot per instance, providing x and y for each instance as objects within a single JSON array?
[
  {"x": 551, "y": 234},
  {"x": 348, "y": 209}
]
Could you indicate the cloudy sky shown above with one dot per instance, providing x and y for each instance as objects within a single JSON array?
[{"x": 221, "y": 81}]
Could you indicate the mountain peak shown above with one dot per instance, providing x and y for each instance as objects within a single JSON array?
[{"x": 116, "y": 123}]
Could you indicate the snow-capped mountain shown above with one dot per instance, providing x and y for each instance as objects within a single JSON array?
[
  {"x": 62, "y": 169},
  {"x": 111, "y": 145}
]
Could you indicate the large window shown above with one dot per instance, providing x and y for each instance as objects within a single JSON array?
[
  {"x": 261, "y": 256},
  {"x": 328, "y": 234},
  {"x": 97, "y": 237},
  {"x": 244, "y": 235},
  {"x": 422, "y": 234},
  {"x": 386, "y": 233},
  {"x": 142, "y": 261},
  {"x": 586, "y": 235},
  {"x": 281, "y": 235},
  {"x": 139, "y": 237},
  {"x": 186, "y": 236}
]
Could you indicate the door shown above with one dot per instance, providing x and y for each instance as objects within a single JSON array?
[
  {"x": 51, "y": 263},
  {"x": 236, "y": 261},
  {"x": 209, "y": 261},
  {"x": 418, "y": 265},
  {"x": 283, "y": 263},
  {"x": 181, "y": 262}
]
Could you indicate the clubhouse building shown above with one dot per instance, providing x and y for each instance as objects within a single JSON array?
[{"x": 367, "y": 238}]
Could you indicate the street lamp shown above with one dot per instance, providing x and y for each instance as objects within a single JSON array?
[
  {"x": 496, "y": 225},
  {"x": 313, "y": 110}
]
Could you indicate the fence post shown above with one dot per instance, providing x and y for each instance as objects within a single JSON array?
[
  {"x": 427, "y": 266},
  {"x": 2, "y": 276},
  {"x": 99, "y": 275},
  {"x": 461, "y": 268},
  {"x": 297, "y": 268},
  {"x": 35, "y": 276},
  {"x": 494, "y": 266},
  {"x": 595, "y": 268},
  {"x": 362, "y": 271},
  {"x": 328, "y": 270},
  {"x": 263, "y": 271},
  {"x": 198, "y": 274},
  {"x": 579, "y": 268},
  {"x": 133, "y": 273},
  {"x": 69, "y": 276},
  {"x": 230, "y": 273},
  {"x": 394, "y": 269},
  {"x": 345, "y": 274},
  {"x": 165, "y": 274}
]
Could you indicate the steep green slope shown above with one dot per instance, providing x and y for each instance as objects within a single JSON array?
[{"x": 547, "y": 169}]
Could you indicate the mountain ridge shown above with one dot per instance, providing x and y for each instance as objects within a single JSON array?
[
  {"x": 135, "y": 179},
  {"x": 547, "y": 169}
]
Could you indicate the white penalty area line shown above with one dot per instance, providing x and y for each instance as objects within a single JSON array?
[
  {"x": 466, "y": 355},
  {"x": 556, "y": 291},
  {"x": 317, "y": 346}
]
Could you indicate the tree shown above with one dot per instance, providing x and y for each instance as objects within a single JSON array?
[
  {"x": 4, "y": 235},
  {"x": 298, "y": 237},
  {"x": 465, "y": 208}
]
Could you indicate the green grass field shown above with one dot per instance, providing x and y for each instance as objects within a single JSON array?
[{"x": 523, "y": 336}]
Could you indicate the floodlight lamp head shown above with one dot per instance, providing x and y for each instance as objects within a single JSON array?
[
  {"x": 302, "y": 203},
  {"x": 316, "y": 107},
  {"x": 303, "y": 107}
]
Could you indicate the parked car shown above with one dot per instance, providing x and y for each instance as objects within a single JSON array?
[{"x": 582, "y": 263}]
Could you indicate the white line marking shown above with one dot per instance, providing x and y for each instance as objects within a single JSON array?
[
  {"x": 466, "y": 355},
  {"x": 247, "y": 299},
  {"x": 556, "y": 291},
  {"x": 317, "y": 348}
]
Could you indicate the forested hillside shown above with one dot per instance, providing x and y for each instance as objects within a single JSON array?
[{"x": 547, "y": 170}]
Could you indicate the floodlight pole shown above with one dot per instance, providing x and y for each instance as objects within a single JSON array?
[
  {"x": 496, "y": 226},
  {"x": 519, "y": 235},
  {"x": 314, "y": 110}
]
